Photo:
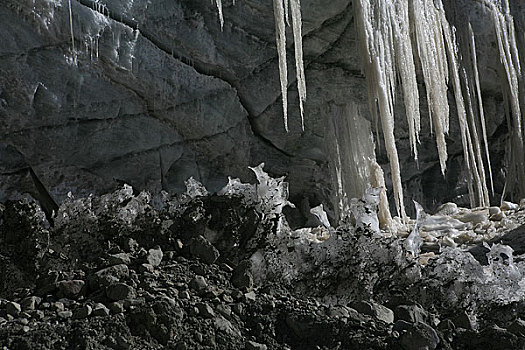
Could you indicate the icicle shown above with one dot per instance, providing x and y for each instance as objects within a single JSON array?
[
  {"x": 407, "y": 72},
  {"x": 414, "y": 241},
  {"x": 71, "y": 27},
  {"x": 429, "y": 37},
  {"x": 219, "y": 8},
  {"x": 480, "y": 103},
  {"x": 378, "y": 181},
  {"x": 286, "y": 11},
  {"x": 505, "y": 33},
  {"x": 479, "y": 169},
  {"x": 380, "y": 72},
  {"x": 280, "y": 36},
  {"x": 295, "y": 7}
]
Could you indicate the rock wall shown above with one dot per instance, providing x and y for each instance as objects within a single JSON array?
[{"x": 155, "y": 93}]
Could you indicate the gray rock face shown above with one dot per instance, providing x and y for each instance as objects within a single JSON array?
[{"x": 155, "y": 93}]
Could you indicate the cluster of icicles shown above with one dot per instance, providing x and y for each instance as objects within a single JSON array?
[
  {"x": 392, "y": 33},
  {"x": 283, "y": 10},
  {"x": 395, "y": 32}
]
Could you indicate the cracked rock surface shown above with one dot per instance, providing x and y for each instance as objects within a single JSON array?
[{"x": 154, "y": 92}]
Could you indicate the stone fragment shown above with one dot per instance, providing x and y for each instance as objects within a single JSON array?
[
  {"x": 198, "y": 284},
  {"x": 70, "y": 289},
  {"x": 242, "y": 276},
  {"x": 12, "y": 308},
  {"x": 146, "y": 268},
  {"x": 30, "y": 303},
  {"x": 410, "y": 313},
  {"x": 251, "y": 345},
  {"x": 374, "y": 309},
  {"x": 65, "y": 314},
  {"x": 223, "y": 325},
  {"x": 100, "y": 309},
  {"x": 120, "y": 291},
  {"x": 505, "y": 205},
  {"x": 116, "y": 307},
  {"x": 419, "y": 337},
  {"x": 250, "y": 296},
  {"x": 154, "y": 256},
  {"x": 518, "y": 327},
  {"x": 82, "y": 312},
  {"x": 205, "y": 310},
  {"x": 203, "y": 249},
  {"x": 464, "y": 320},
  {"x": 57, "y": 306},
  {"x": 120, "y": 258},
  {"x": 112, "y": 274}
]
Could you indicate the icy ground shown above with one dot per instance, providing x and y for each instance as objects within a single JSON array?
[{"x": 132, "y": 270}]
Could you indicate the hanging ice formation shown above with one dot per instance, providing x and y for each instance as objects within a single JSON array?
[
  {"x": 389, "y": 48},
  {"x": 219, "y": 10},
  {"x": 281, "y": 10},
  {"x": 396, "y": 37}
]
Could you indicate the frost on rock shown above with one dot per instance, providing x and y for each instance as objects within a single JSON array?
[
  {"x": 272, "y": 194},
  {"x": 364, "y": 211},
  {"x": 414, "y": 241},
  {"x": 320, "y": 214},
  {"x": 501, "y": 262},
  {"x": 235, "y": 187},
  {"x": 194, "y": 188}
]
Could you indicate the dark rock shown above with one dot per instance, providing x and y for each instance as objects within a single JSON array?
[
  {"x": 203, "y": 249},
  {"x": 374, "y": 309},
  {"x": 154, "y": 256},
  {"x": 410, "y": 313},
  {"x": 112, "y": 274},
  {"x": 146, "y": 268},
  {"x": 401, "y": 325},
  {"x": 120, "y": 291},
  {"x": 184, "y": 295},
  {"x": 242, "y": 276},
  {"x": 82, "y": 311},
  {"x": 419, "y": 337},
  {"x": 30, "y": 303},
  {"x": 116, "y": 307},
  {"x": 100, "y": 309},
  {"x": 65, "y": 314},
  {"x": 356, "y": 316},
  {"x": 13, "y": 309},
  {"x": 517, "y": 327},
  {"x": 205, "y": 310},
  {"x": 463, "y": 320},
  {"x": 57, "y": 306},
  {"x": 198, "y": 284},
  {"x": 70, "y": 289},
  {"x": 223, "y": 325},
  {"x": 119, "y": 258},
  {"x": 338, "y": 312}
]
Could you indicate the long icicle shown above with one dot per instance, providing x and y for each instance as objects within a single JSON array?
[
  {"x": 280, "y": 38},
  {"x": 380, "y": 72},
  {"x": 480, "y": 104},
  {"x": 219, "y": 9},
  {"x": 71, "y": 27},
  {"x": 407, "y": 72},
  {"x": 295, "y": 7},
  {"x": 432, "y": 54}
]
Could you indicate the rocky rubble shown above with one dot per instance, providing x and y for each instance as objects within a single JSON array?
[{"x": 130, "y": 270}]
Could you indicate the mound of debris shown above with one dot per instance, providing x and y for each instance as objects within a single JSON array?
[{"x": 130, "y": 270}]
